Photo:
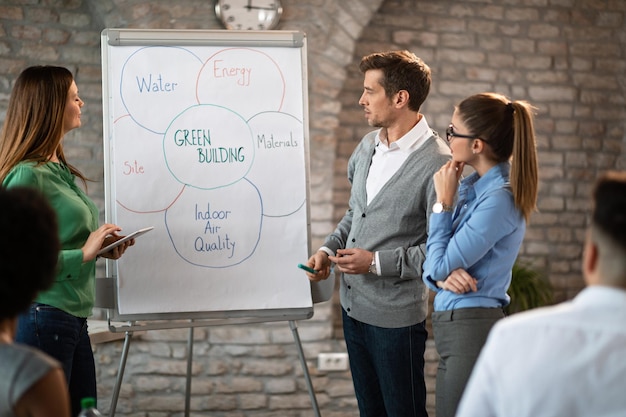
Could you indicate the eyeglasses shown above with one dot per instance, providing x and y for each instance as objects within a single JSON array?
[{"x": 450, "y": 134}]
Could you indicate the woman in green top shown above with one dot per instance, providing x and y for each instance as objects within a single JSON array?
[{"x": 43, "y": 107}]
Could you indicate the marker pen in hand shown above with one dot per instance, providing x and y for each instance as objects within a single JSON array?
[{"x": 307, "y": 269}]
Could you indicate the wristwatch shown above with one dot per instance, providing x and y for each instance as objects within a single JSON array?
[
  {"x": 373, "y": 265},
  {"x": 440, "y": 206}
]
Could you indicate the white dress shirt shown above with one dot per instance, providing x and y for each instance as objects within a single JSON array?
[
  {"x": 567, "y": 360},
  {"x": 387, "y": 160}
]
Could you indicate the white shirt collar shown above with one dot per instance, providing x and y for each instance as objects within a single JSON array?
[{"x": 411, "y": 140}]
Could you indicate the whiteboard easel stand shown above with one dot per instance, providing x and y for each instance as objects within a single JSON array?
[
  {"x": 189, "y": 366},
  {"x": 105, "y": 298},
  {"x": 129, "y": 55},
  {"x": 131, "y": 327},
  {"x": 120, "y": 371}
]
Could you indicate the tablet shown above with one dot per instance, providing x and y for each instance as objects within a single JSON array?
[{"x": 126, "y": 238}]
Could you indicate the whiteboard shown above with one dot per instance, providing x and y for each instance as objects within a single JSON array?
[{"x": 206, "y": 139}]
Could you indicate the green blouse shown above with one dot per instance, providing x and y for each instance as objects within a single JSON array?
[{"x": 74, "y": 288}]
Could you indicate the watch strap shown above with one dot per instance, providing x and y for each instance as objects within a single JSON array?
[{"x": 373, "y": 269}]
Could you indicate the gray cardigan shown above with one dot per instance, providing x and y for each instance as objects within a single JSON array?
[{"x": 395, "y": 224}]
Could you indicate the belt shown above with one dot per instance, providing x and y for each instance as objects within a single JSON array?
[{"x": 468, "y": 313}]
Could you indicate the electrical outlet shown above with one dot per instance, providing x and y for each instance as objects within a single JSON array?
[{"x": 332, "y": 361}]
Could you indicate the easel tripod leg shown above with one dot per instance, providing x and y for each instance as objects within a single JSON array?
[
  {"x": 189, "y": 366},
  {"x": 305, "y": 368},
  {"x": 120, "y": 374}
]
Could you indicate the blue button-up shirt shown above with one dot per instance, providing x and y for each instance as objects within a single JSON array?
[{"x": 483, "y": 236}]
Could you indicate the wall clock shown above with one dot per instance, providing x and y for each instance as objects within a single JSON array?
[{"x": 248, "y": 14}]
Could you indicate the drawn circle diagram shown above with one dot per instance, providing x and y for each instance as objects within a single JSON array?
[
  {"x": 234, "y": 75},
  {"x": 140, "y": 164},
  {"x": 216, "y": 229},
  {"x": 279, "y": 142},
  {"x": 220, "y": 155},
  {"x": 208, "y": 147},
  {"x": 165, "y": 80}
]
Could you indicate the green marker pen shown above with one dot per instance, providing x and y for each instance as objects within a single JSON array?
[{"x": 307, "y": 269}]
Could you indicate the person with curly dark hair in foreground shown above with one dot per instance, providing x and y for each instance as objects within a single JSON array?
[{"x": 32, "y": 383}]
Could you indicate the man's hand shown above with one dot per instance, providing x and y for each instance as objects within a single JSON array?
[
  {"x": 353, "y": 261},
  {"x": 321, "y": 263}
]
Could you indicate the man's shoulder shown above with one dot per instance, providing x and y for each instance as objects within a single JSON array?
[
  {"x": 537, "y": 320},
  {"x": 439, "y": 145},
  {"x": 432, "y": 152}
]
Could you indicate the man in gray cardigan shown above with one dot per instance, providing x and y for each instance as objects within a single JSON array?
[{"x": 379, "y": 245}]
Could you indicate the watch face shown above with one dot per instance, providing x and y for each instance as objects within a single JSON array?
[
  {"x": 437, "y": 208},
  {"x": 248, "y": 14}
]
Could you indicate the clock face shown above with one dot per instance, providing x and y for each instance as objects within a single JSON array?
[{"x": 248, "y": 14}]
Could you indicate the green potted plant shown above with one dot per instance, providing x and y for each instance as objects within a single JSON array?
[{"x": 529, "y": 289}]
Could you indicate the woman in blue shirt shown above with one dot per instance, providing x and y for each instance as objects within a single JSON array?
[{"x": 472, "y": 246}]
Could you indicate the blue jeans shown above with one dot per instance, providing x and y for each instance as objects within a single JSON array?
[
  {"x": 387, "y": 368},
  {"x": 65, "y": 338}
]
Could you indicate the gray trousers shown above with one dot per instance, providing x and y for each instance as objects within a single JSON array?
[{"x": 459, "y": 337}]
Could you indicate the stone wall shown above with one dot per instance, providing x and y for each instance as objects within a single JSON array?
[{"x": 568, "y": 57}]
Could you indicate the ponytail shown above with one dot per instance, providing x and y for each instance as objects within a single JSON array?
[
  {"x": 507, "y": 127},
  {"x": 524, "y": 172}
]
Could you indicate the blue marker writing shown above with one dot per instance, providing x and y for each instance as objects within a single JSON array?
[{"x": 307, "y": 269}]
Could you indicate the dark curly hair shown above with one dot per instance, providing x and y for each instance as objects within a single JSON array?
[{"x": 29, "y": 248}]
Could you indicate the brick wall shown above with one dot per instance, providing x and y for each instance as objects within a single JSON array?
[
  {"x": 565, "y": 57},
  {"x": 568, "y": 57}
]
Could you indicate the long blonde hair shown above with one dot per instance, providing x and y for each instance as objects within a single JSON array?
[
  {"x": 508, "y": 128},
  {"x": 33, "y": 126}
]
